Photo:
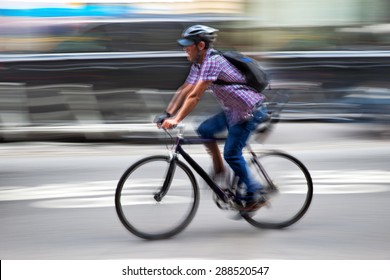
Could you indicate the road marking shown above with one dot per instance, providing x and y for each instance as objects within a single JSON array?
[{"x": 102, "y": 193}]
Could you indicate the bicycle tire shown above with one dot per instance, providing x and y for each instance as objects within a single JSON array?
[
  {"x": 135, "y": 203},
  {"x": 295, "y": 192}
]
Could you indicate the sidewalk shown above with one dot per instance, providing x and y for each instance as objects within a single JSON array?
[
  {"x": 53, "y": 149},
  {"x": 284, "y": 136}
]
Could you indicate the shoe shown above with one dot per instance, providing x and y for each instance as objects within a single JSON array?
[{"x": 254, "y": 201}]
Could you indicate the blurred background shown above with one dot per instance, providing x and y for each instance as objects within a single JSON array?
[
  {"x": 78, "y": 76},
  {"x": 96, "y": 69}
]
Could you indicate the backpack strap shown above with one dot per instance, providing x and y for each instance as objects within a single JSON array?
[{"x": 222, "y": 82}]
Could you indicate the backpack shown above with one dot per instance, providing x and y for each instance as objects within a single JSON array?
[{"x": 255, "y": 75}]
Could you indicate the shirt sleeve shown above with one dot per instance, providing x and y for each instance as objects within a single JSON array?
[{"x": 192, "y": 77}]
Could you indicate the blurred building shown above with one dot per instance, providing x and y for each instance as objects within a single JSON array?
[
  {"x": 192, "y": 6},
  {"x": 318, "y": 13},
  {"x": 68, "y": 8}
]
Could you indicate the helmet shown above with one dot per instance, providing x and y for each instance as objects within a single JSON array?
[{"x": 196, "y": 33}]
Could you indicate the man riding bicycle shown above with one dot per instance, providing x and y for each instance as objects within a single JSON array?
[{"x": 241, "y": 104}]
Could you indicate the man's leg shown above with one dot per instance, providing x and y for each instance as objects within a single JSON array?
[
  {"x": 216, "y": 156},
  {"x": 235, "y": 142},
  {"x": 207, "y": 130}
]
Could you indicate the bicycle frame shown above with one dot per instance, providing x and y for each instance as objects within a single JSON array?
[
  {"x": 217, "y": 190},
  {"x": 256, "y": 161},
  {"x": 178, "y": 150}
]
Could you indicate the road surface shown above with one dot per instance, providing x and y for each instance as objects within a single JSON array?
[{"x": 57, "y": 202}]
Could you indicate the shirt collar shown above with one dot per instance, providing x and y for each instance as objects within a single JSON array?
[{"x": 208, "y": 53}]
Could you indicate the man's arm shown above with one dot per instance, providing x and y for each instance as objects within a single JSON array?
[
  {"x": 175, "y": 104},
  {"x": 179, "y": 98},
  {"x": 189, "y": 104}
]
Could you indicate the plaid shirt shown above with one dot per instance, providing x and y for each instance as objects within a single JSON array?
[{"x": 237, "y": 100}]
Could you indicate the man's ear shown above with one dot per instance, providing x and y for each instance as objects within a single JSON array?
[{"x": 201, "y": 45}]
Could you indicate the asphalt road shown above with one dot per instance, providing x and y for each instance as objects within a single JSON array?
[{"x": 57, "y": 202}]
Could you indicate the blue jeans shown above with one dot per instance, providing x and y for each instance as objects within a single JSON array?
[{"x": 237, "y": 137}]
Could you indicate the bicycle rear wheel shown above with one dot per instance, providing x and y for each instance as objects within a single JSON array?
[
  {"x": 137, "y": 207},
  {"x": 294, "y": 191}
]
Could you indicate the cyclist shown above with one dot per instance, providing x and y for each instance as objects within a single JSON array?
[{"x": 242, "y": 108}]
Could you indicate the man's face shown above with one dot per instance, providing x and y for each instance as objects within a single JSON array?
[
  {"x": 192, "y": 52},
  {"x": 196, "y": 52}
]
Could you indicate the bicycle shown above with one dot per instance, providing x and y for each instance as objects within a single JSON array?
[{"x": 165, "y": 183}]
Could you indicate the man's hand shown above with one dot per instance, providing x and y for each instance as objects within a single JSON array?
[
  {"x": 169, "y": 123},
  {"x": 161, "y": 118}
]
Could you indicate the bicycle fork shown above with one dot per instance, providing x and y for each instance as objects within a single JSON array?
[{"x": 168, "y": 179}]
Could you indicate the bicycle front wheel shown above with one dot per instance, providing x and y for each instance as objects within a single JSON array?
[
  {"x": 141, "y": 213},
  {"x": 293, "y": 194}
]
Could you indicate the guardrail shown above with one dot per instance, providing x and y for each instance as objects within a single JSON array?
[{"x": 77, "y": 111}]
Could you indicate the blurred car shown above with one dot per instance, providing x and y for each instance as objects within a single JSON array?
[
  {"x": 370, "y": 105},
  {"x": 362, "y": 105}
]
